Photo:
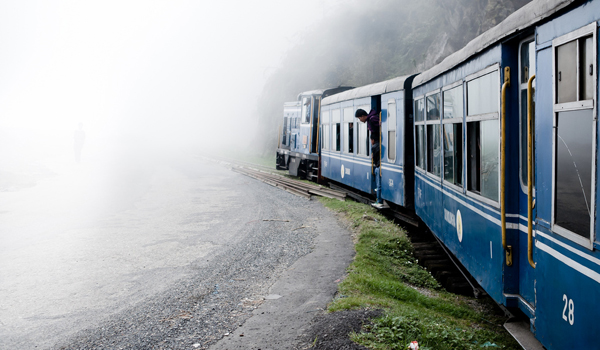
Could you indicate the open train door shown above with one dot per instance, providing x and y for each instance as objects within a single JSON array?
[{"x": 517, "y": 150}]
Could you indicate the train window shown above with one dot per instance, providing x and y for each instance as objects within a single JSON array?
[
  {"x": 348, "y": 130},
  {"x": 453, "y": 153},
  {"x": 337, "y": 136},
  {"x": 473, "y": 158},
  {"x": 586, "y": 70},
  {"x": 420, "y": 132},
  {"x": 362, "y": 147},
  {"x": 434, "y": 150},
  {"x": 433, "y": 107},
  {"x": 574, "y": 152},
  {"x": 420, "y": 142},
  {"x": 452, "y": 134},
  {"x": 306, "y": 109},
  {"x": 434, "y": 145},
  {"x": 325, "y": 137},
  {"x": 284, "y": 131},
  {"x": 453, "y": 103},
  {"x": 527, "y": 69},
  {"x": 325, "y": 132},
  {"x": 348, "y": 137},
  {"x": 482, "y": 94},
  {"x": 566, "y": 72},
  {"x": 483, "y": 135},
  {"x": 419, "y": 111},
  {"x": 391, "y": 122},
  {"x": 574, "y": 134}
]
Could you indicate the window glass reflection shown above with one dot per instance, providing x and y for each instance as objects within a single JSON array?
[
  {"x": 453, "y": 103},
  {"x": 489, "y": 158},
  {"x": 574, "y": 149},
  {"x": 483, "y": 94},
  {"x": 433, "y": 107}
]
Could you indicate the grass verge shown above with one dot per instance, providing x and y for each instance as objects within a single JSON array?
[{"x": 385, "y": 275}]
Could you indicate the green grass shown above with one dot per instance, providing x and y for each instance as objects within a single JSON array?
[{"x": 385, "y": 275}]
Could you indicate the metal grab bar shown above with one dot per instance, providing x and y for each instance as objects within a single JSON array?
[
  {"x": 530, "y": 172},
  {"x": 318, "y": 128},
  {"x": 380, "y": 145},
  {"x": 506, "y": 247}
]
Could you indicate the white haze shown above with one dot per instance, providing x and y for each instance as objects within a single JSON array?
[{"x": 149, "y": 81}]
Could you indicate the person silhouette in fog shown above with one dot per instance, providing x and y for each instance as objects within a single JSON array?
[{"x": 79, "y": 137}]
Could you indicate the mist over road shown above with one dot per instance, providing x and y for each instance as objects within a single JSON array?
[{"x": 91, "y": 256}]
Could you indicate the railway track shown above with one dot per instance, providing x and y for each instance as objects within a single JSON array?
[{"x": 293, "y": 186}]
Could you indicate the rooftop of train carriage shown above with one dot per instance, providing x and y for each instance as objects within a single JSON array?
[
  {"x": 526, "y": 16},
  {"x": 395, "y": 84}
]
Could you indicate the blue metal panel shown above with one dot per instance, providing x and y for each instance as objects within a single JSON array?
[
  {"x": 392, "y": 176},
  {"x": 566, "y": 292},
  {"x": 585, "y": 14}
]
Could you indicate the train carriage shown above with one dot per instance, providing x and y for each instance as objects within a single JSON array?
[
  {"x": 515, "y": 204},
  {"x": 297, "y": 148},
  {"x": 345, "y": 146}
]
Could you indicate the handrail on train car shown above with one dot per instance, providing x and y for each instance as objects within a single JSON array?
[
  {"x": 312, "y": 110},
  {"x": 318, "y": 125},
  {"x": 506, "y": 247},
  {"x": 530, "y": 172},
  {"x": 380, "y": 146}
]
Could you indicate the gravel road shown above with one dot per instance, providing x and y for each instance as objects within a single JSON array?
[{"x": 184, "y": 262}]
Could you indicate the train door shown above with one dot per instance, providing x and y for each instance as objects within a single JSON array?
[{"x": 525, "y": 73}]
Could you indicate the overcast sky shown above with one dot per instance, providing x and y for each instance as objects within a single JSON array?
[{"x": 161, "y": 72}]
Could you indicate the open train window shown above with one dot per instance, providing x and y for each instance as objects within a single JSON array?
[
  {"x": 574, "y": 57},
  {"x": 306, "y": 109},
  {"x": 363, "y": 144},
  {"x": 452, "y": 132},
  {"x": 420, "y": 132},
  {"x": 348, "y": 130},
  {"x": 325, "y": 132},
  {"x": 434, "y": 144},
  {"x": 391, "y": 122},
  {"x": 483, "y": 134},
  {"x": 335, "y": 128}
]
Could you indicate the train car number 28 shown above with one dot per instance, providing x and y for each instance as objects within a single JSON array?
[{"x": 568, "y": 315}]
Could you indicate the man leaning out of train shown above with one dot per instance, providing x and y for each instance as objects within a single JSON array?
[{"x": 372, "y": 120}]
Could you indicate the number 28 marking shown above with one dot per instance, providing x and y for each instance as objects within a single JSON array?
[{"x": 571, "y": 317}]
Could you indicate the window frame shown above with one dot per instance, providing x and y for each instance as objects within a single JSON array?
[
  {"x": 457, "y": 120},
  {"x": 333, "y": 131},
  {"x": 325, "y": 129},
  {"x": 359, "y": 124},
  {"x": 347, "y": 118},
  {"x": 433, "y": 122},
  {"x": 478, "y": 118},
  {"x": 389, "y": 102},
  {"x": 575, "y": 106},
  {"x": 302, "y": 110},
  {"x": 420, "y": 123},
  {"x": 521, "y": 161}
]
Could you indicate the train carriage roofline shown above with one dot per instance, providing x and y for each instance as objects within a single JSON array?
[
  {"x": 525, "y": 17},
  {"x": 325, "y": 92},
  {"x": 380, "y": 88}
]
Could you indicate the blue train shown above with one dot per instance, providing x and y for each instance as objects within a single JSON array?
[{"x": 495, "y": 149}]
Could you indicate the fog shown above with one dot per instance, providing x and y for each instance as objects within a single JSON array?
[
  {"x": 154, "y": 73},
  {"x": 145, "y": 79},
  {"x": 147, "y": 83}
]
